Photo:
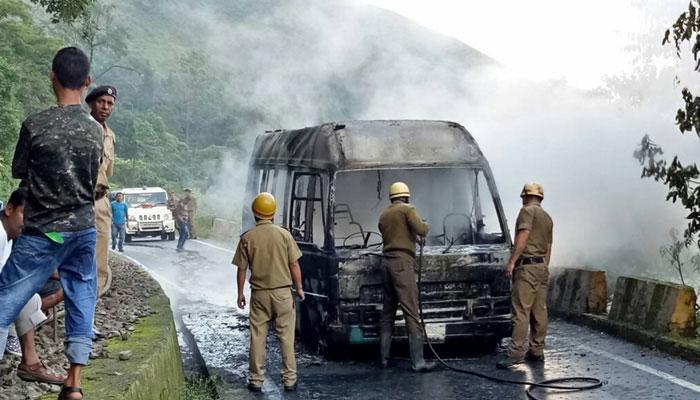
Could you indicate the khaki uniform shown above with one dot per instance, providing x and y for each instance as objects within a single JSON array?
[
  {"x": 103, "y": 211},
  {"x": 269, "y": 250},
  {"x": 400, "y": 225},
  {"x": 190, "y": 206},
  {"x": 529, "y": 298}
]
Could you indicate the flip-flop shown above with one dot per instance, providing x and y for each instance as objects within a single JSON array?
[{"x": 66, "y": 390}]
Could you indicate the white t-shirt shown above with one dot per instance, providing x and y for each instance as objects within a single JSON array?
[{"x": 5, "y": 246}]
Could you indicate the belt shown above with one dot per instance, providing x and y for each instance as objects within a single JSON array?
[{"x": 530, "y": 260}]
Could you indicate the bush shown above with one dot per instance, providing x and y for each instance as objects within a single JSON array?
[{"x": 199, "y": 389}]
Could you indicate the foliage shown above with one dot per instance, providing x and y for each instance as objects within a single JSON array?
[
  {"x": 675, "y": 254},
  {"x": 199, "y": 389},
  {"x": 681, "y": 179},
  {"x": 64, "y": 10},
  {"x": 25, "y": 58}
]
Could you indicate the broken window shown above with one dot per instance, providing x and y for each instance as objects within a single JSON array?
[
  {"x": 307, "y": 216},
  {"x": 456, "y": 202}
]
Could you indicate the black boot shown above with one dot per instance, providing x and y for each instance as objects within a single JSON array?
[
  {"x": 418, "y": 364},
  {"x": 385, "y": 347}
]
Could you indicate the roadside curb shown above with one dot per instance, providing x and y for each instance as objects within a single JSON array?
[{"x": 686, "y": 348}]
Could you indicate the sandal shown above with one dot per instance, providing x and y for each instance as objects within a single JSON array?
[{"x": 67, "y": 390}]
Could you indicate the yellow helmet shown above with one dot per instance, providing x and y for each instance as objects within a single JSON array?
[
  {"x": 399, "y": 189},
  {"x": 264, "y": 206},
  {"x": 532, "y": 189}
]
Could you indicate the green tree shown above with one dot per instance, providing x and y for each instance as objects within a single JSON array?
[
  {"x": 25, "y": 58},
  {"x": 64, "y": 10},
  {"x": 682, "y": 179}
]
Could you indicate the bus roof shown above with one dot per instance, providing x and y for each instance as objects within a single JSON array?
[{"x": 369, "y": 144}]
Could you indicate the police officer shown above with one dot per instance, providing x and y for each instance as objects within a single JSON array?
[
  {"x": 273, "y": 258},
  {"x": 528, "y": 265},
  {"x": 102, "y": 100},
  {"x": 401, "y": 228}
]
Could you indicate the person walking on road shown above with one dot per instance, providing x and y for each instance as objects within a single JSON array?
[
  {"x": 57, "y": 158},
  {"x": 102, "y": 100},
  {"x": 120, "y": 214},
  {"x": 528, "y": 266},
  {"x": 190, "y": 207},
  {"x": 272, "y": 256},
  {"x": 401, "y": 228},
  {"x": 183, "y": 225}
]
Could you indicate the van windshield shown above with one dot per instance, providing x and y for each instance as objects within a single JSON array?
[
  {"x": 456, "y": 202},
  {"x": 145, "y": 199}
]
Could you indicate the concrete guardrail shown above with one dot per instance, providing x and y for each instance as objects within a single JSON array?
[
  {"x": 577, "y": 291},
  {"x": 225, "y": 230},
  {"x": 661, "y": 307}
]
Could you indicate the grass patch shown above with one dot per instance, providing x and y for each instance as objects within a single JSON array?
[
  {"x": 204, "y": 224},
  {"x": 199, "y": 389}
]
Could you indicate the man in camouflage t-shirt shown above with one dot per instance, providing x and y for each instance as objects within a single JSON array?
[{"x": 57, "y": 158}]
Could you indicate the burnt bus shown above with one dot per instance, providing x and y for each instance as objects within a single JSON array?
[{"x": 331, "y": 184}]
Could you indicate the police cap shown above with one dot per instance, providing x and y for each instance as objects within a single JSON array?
[{"x": 100, "y": 91}]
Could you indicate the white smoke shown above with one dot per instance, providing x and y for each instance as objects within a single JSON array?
[{"x": 578, "y": 144}]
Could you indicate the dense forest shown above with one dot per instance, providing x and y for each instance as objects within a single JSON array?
[{"x": 196, "y": 90}]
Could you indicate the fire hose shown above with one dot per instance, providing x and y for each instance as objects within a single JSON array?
[{"x": 586, "y": 383}]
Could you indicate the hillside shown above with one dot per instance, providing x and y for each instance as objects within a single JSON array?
[{"x": 198, "y": 79}]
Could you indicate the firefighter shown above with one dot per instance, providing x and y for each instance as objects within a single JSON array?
[
  {"x": 102, "y": 100},
  {"x": 273, "y": 258},
  {"x": 528, "y": 266},
  {"x": 401, "y": 228}
]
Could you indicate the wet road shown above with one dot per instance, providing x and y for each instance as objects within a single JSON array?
[{"x": 201, "y": 284}]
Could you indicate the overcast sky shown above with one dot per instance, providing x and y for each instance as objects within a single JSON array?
[{"x": 581, "y": 41}]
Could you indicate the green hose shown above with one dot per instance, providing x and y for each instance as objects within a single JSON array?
[{"x": 588, "y": 383}]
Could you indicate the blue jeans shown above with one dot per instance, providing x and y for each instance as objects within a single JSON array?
[
  {"x": 184, "y": 234},
  {"x": 31, "y": 262},
  {"x": 118, "y": 235}
]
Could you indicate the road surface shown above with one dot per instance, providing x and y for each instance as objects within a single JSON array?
[{"x": 201, "y": 285}]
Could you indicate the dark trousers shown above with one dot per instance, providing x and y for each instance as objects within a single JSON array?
[
  {"x": 184, "y": 234},
  {"x": 118, "y": 235},
  {"x": 400, "y": 289}
]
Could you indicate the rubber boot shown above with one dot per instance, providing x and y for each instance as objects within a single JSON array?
[
  {"x": 385, "y": 347},
  {"x": 418, "y": 364}
]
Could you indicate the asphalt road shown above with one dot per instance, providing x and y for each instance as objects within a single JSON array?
[{"x": 201, "y": 285}]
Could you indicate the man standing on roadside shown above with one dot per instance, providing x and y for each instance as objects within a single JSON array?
[
  {"x": 171, "y": 204},
  {"x": 190, "y": 206},
  {"x": 120, "y": 214},
  {"x": 528, "y": 265},
  {"x": 272, "y": 256},
  {"x": 102, "y": 100},
  {"x": 57, "y": 158}
]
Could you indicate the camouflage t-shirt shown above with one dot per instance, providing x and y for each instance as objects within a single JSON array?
[{"x": 57, "y": 158}]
